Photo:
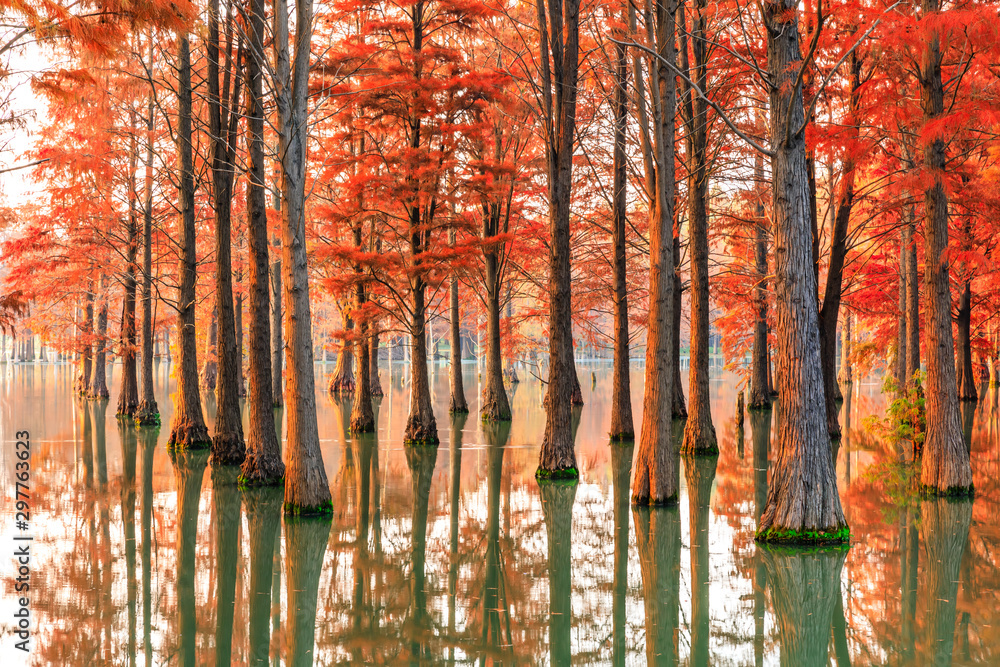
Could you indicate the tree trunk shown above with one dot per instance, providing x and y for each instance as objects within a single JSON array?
[
  {"x": 495, "y": 605},
  {"x": 912, "y": 301},
  {"x": 846, "y": 376},
  {"x": 700, "y": 475},
  {"x": 128, "y": 396},
  {"x": 362, "y": 416},
  {"x": 373, "y": 361},
  {"x": 458, "y": 402},
  {"x": 277, "y": 322},
  {"x": 148, "y": 412},
  {"x": 945, "y": 468},
  {"x": 306, "y": 488},
  {"x": 622, "y": 427},
  {"x": 342, "y": 380},
  {"x": 805, "y": 587},
  {"x": 99, "y": 380},
  {"x": 210, "y": 367},
  {"x": 187, "y": 428},
  {"x": 803, "y": 505},
  {"x": 86, "y": 332},
  {"x": 760, "y": 371},
  {"x": 900, "y": 365},
  {"x": 699, "y": 433},
  {"x": 421, "y": 426},
  {"x": 263, "y": 464},
  {"x": 495, "y": 405},
  {"x": 679, "y": 410},
  {"x": 658, "y": 537},
  {"x": 966, "y": 374},
  {"x": 655, "y": 481},
  {"x": 560, "y": 72},
  {"x": 228, "y": 447}
]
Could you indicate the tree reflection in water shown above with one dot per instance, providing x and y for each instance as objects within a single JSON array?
[{"x": 189, "y": 470}]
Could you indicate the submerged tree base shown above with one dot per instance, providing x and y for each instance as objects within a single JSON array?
[
  {"x": 188, "y": 435},
  {"x": 951, "y": 492},
  {"x": 622, "y": 438},
  {"x": 760, "y": 407},
  {"x": 790, "y": 537},
  {"x": 560, "y": 474},
  {"x": 705, "y": 450},
  {"x": 228, "y": 449},
  {"x": 146, "y": 415},
  {"x": 425, "y": 442},
  {"x": 669, "y": 501},
  {"x": 324, "y": 509}
]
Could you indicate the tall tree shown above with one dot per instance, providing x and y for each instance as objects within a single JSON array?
[{"x": 307, "y": 490}]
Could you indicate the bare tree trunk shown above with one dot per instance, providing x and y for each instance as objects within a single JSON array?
[
  {"x": 803, "y": 505},
  {"x": 342, "y": 380},
  {"x": 128, "y": 396},
  {"x": 912, "y": 301},
  {"x": 760, "y": 385},
  {"x": 846, "y": 376},
  {"x": 966, "y": 374},
  {"x": 373, "y": 362},
  {"x": 277, "y": 322},
  {"x": 210, "y": 367},
  {"x": 86, "y": 331},
  {"x": 148, "y": 412},
  {"x": 946, "y": 469},
  {"x": 458, "y": 402},
  {"x": 307, "y": 490},
  {"x": 495, "y": 405},
  {"x": 699, "y": 433},
  {"x": 263, "y": 464},
  {"x": 99, "y": 381},
  {"x": 560, "y": 72},
  {"x": 655, "y": 481},
  {"x": 900, "y": 365},
  {"x": 680, "y": 411},
  {"x": 362, "y": 415},
  {"x": 622, "y": 427},
  {"x": 421, "y": 426}
]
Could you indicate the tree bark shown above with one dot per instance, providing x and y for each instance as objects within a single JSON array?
[
  {"x": 228, "y": 447},
  {"x": 560, "y": 73},
  {"x": 86, "y": 332},
  {"x": 966, "y": 374},
  {"x": 277, "y": 322},
  {"x": 362, "y": 415},
  {"x": 458, "y": 402},
  {"x": 680, "y": 411},
  {"x": 148, "y": 412},
  {"x": 846, "y": 375},
  {"x": 128, "y": 396},
  {"x": 495, "y": 405},
  {"x": 421, "y": 426},
  {"x": 306, "y": 488},
  {"x": 99, "y": 381},
  {"x": 656, "y": 472},
  {"x": 373, "y": 362},
  {"x": 210, "y": 367},
  {"x": 760, "y": 388},
  {"x": 945, "y": 462},
  {"x": 622, "y": 427},
  {"x": 342, "y": 380},
  {"x": 699, "y": 433},
  {"x": 263, "y": 464},
  {"x": 900, "y": 365},
  {"x": 912, "y": 301},
  {"x": 803, "y": 505}
]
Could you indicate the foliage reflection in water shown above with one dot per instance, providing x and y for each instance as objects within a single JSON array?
[{"x": 456, "y": 555}]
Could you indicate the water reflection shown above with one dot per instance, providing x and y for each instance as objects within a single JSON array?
[{"x": 456, "y": 555}]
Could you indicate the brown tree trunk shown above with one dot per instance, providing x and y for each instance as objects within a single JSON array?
[
  {"x": 658, "y": 537},
  {"x": 699, "y": 433},
  {"x": 495, "y": 405},
  {"x": 128, "y": 396},
  {"x": 966, "y": 374},
  {"x": 362, "y": 416},
  {"x": 373, "y": 361},
  {"x": 99, "y": 380},
  {"x": 277, "y": 322},
  {"x": 458, "y": 402},
  {"x": 263, "y": 464},
  {"x": 846, "y": 375},
  {"x": 210, "y": 367},
  {"x": 86, "y": 331},
  {"x": 342, "y": 380},
  {"x": 680, "y": 411},
  {"x": 655, "y": 481},
  {"x": 912, "y": 301},
  {"x": 900, "y": 365},
  {"x": 622, "y": 427},
  {"x": 148, "y": 412},
  {"x": 945, "y": 469},
  {"x": 306, "y": 488},
  {"x": 803, "y": 504},
  {"x": 228, "y": 447},
  {"x": 560, "y": 72},
  {"x": 421, "y": 426}
]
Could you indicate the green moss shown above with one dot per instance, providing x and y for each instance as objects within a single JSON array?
[
  {"x": 245, "y": 483},
  {"x": 429, "y": 442},
  {"x": 759, "y": 408},
  {"x": 323, "y": 509},
  {"x": 148, "y": 420},
  {"x": 459, "y": 411},
  {"x": 951, "y": 492},
  {"x": 623, "y": 439},
  {"x": 194, "y": 446},
  {"x": 561, "y": 474},
  {"x": 486, "y": 419},
  {"x": 666, "y": 502},
  {"x": 713, "y": 450},
  {"x": 793, "y": 537}
]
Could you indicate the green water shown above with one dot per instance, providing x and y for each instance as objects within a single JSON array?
[{"x": 455, "y": 555}]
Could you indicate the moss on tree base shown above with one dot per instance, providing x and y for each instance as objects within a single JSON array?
[
  {"x": 487, "y": 418},
  {"x": 458, "y": 411},
  {"x": 789, "y": 537},
  {"x": 544, "y": 475},
  {"x": 426, "y": 442},
  {"x": 762, "y": 407},
  {"x": 142, "y": 419},
  {"x": 622, "y": 438},
  {"x": 951, "y": 492},
  {"x": 324, "y": 509},
  {"x": 710, "y": 450},
  {"x": 256, "y": 482},
  {"x": 670, "y": 501}
]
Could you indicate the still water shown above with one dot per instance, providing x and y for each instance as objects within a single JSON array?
[{"x": 454, "y": 555}]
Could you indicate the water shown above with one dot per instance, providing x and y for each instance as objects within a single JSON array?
[{"x": 455, "y": 556}]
